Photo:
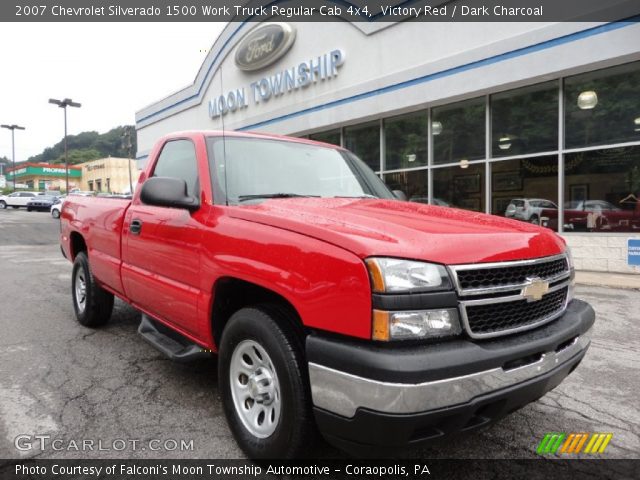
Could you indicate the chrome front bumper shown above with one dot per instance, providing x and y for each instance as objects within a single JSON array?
[{"x": 343, "y": 394}]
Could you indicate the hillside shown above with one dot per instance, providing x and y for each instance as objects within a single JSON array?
[{"x": 88, "y": 146}]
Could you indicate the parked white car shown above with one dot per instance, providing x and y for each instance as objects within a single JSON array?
[
  {"x": 16, "y": 199},
  {"x": 528, "y": 209},
  {"x": 56, "y": 208}
]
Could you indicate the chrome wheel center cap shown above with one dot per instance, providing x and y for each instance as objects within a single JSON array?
[{"x": 261, "y": 386}]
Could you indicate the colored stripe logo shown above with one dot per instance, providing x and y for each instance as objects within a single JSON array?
[{"x": 573, "y": 443}]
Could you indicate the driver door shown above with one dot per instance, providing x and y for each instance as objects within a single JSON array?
[{"x": 161, "y": 245}]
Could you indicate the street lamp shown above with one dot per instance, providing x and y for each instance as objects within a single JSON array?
[
  {"x": 67, "y": 102},
  {"x": 126, "y": 144},
  {"x": 13, "y": 128}
]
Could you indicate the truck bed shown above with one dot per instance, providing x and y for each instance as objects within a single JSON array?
[{"x": 99, "y": 220}]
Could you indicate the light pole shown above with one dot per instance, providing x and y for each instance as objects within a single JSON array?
[
  {"x": 13, "y": 128},
  {"x": 126, "y": 144},
  {"x": 67, "y": 102}
]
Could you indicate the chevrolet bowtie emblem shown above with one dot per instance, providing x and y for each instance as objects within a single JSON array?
[{"x": 535, "y": 289}]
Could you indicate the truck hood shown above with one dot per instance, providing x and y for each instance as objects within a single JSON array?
[{"x": 369, "y": 227}]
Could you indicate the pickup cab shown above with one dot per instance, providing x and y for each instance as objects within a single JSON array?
[{"x": 332, "y": 305}]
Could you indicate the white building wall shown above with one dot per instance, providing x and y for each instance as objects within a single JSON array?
[
  {"x": 601, "y": 253},
  {"x": 399, "y": 53}
]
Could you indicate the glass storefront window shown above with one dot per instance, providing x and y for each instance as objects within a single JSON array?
[
  {"x": 601, "y": 187},
  {"x": 526, "y": 189},
  {"x": 459, "y": 187},
  {"x": 364, "y": 141},
  {"x": 406, "y": 141},
  {"x": 602, "y": 190},
  {"x": 332, "y": 137},
  {"x": 458, "y": 131},
  {"x": 525, "y": 120},
  {"x": 414, "y": 184},
  {"x": 603, "y": 107}
]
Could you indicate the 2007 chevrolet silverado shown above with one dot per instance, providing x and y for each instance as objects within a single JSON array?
[{"x": 332, "y": 305}]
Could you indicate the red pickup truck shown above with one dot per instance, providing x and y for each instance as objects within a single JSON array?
[{"x": 332, "y": 305}]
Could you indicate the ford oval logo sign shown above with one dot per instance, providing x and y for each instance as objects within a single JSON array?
[{"x": 264, "y": 45}]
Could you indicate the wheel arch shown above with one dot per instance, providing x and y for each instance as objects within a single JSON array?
[
  {"x": 231, "y": 294},
  {"x": 77, "y": 244}
]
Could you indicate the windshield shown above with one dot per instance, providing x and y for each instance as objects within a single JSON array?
[{"x": 264, "y": 168}]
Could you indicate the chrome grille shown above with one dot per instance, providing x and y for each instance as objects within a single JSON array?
[
  {"x": 510, "y": 275},
  {"x": 497, "y": 317},
  {"x": 496, "y": 297}
]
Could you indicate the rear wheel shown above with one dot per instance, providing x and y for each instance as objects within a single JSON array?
[
  {"x": 264, "y": 385},
  {"x": 93, "y": 305},
  {"x": 535, "y": 220},
  {"x": 3, "y": 204},
  {"x": 28, "y": 209}
]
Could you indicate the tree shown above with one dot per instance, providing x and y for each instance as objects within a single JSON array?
[{"x": 86, "y": 146}]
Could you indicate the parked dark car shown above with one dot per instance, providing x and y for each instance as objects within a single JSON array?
[{"x": 42, "y": 202}]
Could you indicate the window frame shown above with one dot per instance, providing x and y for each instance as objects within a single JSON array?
[{"x": 198, "y": 185}]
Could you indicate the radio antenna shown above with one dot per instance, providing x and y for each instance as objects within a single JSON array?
[{"x": 224, "y": 144}]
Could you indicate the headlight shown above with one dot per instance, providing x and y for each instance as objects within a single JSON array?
[
  {"x": 393, "y": 275},
  {"x": 415, "y": 325}
]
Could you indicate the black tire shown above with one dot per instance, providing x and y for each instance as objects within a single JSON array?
[
  {"x": 55, "y": 213},
  {"x": 295, "y": 431},
  {"x": 94, "y": 309},
  {"x": 3, "y": 204},
  {"x": 534, "y": 219},
  {"x": 28, "y": 209}
]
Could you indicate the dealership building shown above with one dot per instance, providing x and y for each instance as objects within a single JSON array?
[{"x": 537, "y": 121}]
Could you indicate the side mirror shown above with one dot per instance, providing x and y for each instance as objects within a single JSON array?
[
  {"x": 168, "y": 192},
  {"x": 400, "y": 195}
]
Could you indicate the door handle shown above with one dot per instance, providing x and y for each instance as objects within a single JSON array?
[{"x": 135, "y": 227}]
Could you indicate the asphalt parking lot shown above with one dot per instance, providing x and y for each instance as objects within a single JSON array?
[{"x": 71, "y": 383}]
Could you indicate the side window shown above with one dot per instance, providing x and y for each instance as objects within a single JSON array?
[{"x": 178, "y": 160}]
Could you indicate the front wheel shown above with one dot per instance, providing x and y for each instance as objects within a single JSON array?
[
  {"x": 55, "y": 213},
  {"x": 3, "y": 204},
  {"x": 93, "y": 305},
  {"x": 28, "y": 209},
  {"x": 264, "y": 385},
  {"x": 534, "y": 219}
]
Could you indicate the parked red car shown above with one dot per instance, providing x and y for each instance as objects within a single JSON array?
[
  {"x": 330, "y": 303},
  {"x": 593, "y": 215}
]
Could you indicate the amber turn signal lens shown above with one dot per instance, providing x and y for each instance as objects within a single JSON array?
[
  {"x": 377, "y": 280},
  {"x": 380, "y": 329}
]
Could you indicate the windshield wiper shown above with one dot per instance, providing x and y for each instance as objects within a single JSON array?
[{"x": 242, "y": 198}]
